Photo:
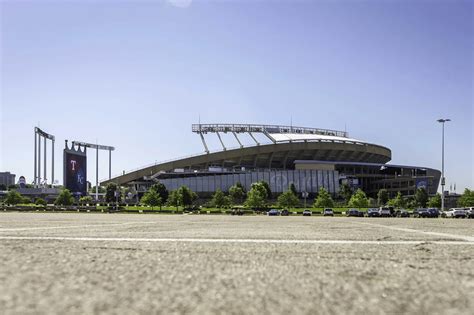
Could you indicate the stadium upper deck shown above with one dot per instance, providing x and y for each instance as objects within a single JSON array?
[{"x": 286, "y": 145}]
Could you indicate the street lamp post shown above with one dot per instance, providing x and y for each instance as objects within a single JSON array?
[
  {"x": 443, "y": 181},
  {"x": 305, "y": 195}
]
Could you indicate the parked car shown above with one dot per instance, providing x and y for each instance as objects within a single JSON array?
[
  {"x": 237, "y": 212},
  {"x": 273, "y": 212},
  {"x": 385, "y": 212},
  {"x": 392, "y": 211},
  {"x": 354, "y": 213},
  {"x": 402, "y": 213},
  {"x": 433, "y": 213},
  {"x": 373, "y": 212},
  {"x": 470, "y": 212},
  {"x": 421, "y": 213},
  {"x": 328, "y": 212},
  {"x": 285, "y": 212},
  {"x": 307, "y": 212},
  {"x": 455, "y": 213}
]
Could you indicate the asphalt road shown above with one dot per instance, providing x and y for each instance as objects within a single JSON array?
[{"x": 161, "y": 264}]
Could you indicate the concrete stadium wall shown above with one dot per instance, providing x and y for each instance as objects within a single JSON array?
[
  {"x": 280, "y": 155},
  {"x": 279, "y": 181}
]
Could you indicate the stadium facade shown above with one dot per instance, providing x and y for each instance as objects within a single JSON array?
[{"x": 309, "y": 158}]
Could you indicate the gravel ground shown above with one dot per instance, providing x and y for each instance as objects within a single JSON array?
[{"x": 89, "y": 276}]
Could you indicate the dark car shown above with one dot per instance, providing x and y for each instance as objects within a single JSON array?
[
  {"x": 470, "y": 212},
  {"x": 421, "y": 213},
  {"x": 285, "y": 212},
  {"x": 328, "y": 212},
  {"x": 373, "y": 212},
  {"x": 237, "y": 212},
  {"x": 402, "y": 213},
  {"x": 433, "y": 213},
  {"x": 273, "y": 212},
  {"x": 354, "y": 213},
  {"x": 307, "y": 213}
]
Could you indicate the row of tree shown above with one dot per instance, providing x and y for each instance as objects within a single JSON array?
[
  {"x": 13, "y": 198},
  {"x": 257, "y": 197}
]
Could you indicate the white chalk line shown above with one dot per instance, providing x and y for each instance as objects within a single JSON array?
[
  {"x": 71, "y": 226},
  {"x": 225, "y": 240},
  {"x": 449, "y": 235}
]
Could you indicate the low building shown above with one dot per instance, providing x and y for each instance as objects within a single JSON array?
[{"x": 7, "y": 179}]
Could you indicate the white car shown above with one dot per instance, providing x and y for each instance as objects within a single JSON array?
[
  {"x": 455, "y": 213},
  {"x": 384, "y": 212},
  {"x": 470, "y": 212}
]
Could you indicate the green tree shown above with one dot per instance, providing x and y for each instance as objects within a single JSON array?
[
  {"x": 110, "y": 192},
  {"x": 237, "y": 193},
  {"x": 173, "y": 199},
  {"x": 219, "y": 199},
  {"x": 65, "y": 198},
  {"x": 257, "y": 196},
  {"x": 3, "y": 187},
  {"x": 41, "y": 202},
  {"x": 186, "y": 196},
  {"x": 288, "y": 199},
  {"x": 466, "y": 199},
  {"x": 267, "y": 188},
  {"x": 345, "y": 192},
  {"x": 382, "y": 197},
  {"x": 359, "y": 199},
  {"x": 86, "y": 200},
  {"x": 421, "y": 197},
  {"x": 13, "y": 187},
  {"x": 373, "y": 202},
  {"x": 183, "y": 196},
  {"x": 324, "y": 199},
  {"x": 410, "y": 202},
  {"x": 435, "y": 201},
  {"x": 13, "y": 198},
  {"x": 398, "y": 201},
  {"x": 152, "y": 198},
  {"x": 293, "y": 189},
  {"x": 25, "y": 200},
  {"x": 101, "y": 190},
  {"x": 160, "y": 188}
]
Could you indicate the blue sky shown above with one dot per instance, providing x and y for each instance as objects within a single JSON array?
[{"x": 136, "y": 75}]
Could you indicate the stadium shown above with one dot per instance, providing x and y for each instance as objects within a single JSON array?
[{"x": 310, "y": 158}]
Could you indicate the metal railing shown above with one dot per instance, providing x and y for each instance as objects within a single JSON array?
[{"x": 241, "y": 128}]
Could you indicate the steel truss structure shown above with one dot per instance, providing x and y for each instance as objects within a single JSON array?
[
  {"x": 40, "y": 134},
  {"x": 267, "y": 130},
  {"x": 97, "y": 147}
]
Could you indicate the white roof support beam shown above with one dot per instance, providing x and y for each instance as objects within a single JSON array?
[
  {"x": 251, "y": 135},
  {"x": 206, "y": 149},
  {"x": 265, "y": 132},
  {"x": 238, "y": 140},
  {"x": 222, "y": 142}
]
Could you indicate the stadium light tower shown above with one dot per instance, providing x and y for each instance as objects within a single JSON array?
[{"x": 443, "y": 181}]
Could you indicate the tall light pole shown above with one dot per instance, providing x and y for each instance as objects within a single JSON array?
[{"x": 443, "y": 181}]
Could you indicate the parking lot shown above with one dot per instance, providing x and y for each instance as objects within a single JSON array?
[{"x": 135, "y": 264}]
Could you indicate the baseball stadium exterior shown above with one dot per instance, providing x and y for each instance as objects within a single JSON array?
[{"x": 310, "y": 158}]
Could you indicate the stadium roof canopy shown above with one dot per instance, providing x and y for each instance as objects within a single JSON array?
[
  {"x": 285, "y": 137},
  {"x": 287, "y": 144}
]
